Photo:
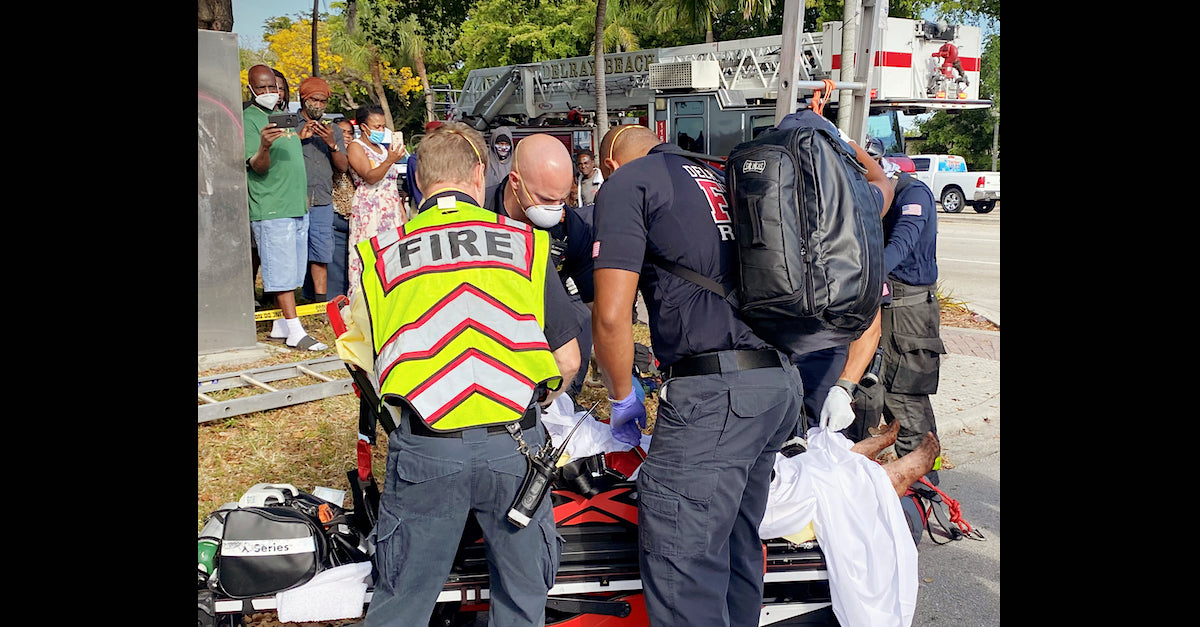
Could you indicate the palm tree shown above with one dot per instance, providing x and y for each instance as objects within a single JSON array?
[
  {"x": 412, "y": 48},
  {"x": 669, "y": 14},
  {"x": 358, "y": 52},
  {"x": 598, "y": 73}
]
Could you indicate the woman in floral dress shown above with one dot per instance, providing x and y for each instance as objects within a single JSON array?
[{"x": 377, "y": 204}]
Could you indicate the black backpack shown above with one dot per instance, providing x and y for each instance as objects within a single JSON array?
[{"x": 810, "y": 238}]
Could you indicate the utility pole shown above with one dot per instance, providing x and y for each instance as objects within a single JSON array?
[
  {"x": 316, "y": 66},
  {"x": 995, "y": 111},
  {"x": 849, "y": 41}
]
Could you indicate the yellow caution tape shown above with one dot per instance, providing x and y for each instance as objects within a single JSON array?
[{"x": 302, "y": 310}]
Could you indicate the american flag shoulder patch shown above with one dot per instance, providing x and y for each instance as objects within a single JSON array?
[
  {"x": 595, "y": 249},
  {"x": 911, "y": 210}
]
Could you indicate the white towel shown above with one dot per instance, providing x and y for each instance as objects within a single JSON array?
[{"x": 331, "y": 594}]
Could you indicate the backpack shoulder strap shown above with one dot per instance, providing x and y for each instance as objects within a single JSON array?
[{"x": 687, "y": 274}]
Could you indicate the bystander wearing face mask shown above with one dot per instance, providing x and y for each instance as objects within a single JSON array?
[{"x": 267, "y": 100}]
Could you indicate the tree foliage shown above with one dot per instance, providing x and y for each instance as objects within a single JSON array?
[
  {"x": 505, "y": 32},
  {"x": 289, "y": 50}
]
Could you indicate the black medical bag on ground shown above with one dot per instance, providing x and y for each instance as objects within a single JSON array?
[
  {"x": 265, "y": 550},
  {"x": 268, "y": 549}
]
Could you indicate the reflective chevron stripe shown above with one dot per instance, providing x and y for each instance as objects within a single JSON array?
[
  {"x": 470, "y": 373},
  {"x": 467, "y": 307}
]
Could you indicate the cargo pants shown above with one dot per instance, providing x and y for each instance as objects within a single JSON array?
[
  {"x": 913, "y": 349},
  {"x": 432, "y": 483},
  {"x": 702, "y": 492}
]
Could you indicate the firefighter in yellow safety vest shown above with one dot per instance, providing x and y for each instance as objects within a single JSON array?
[{"x": 467, "y": 331}]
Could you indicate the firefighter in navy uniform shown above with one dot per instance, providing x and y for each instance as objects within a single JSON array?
[
  {"x": 535, "y": 192},
  {"x": 824, "y": 370},
  {"x": 465, "y": 328},
  {"x": 910, "y": 320},
  {"x": 728, "y": 402}
]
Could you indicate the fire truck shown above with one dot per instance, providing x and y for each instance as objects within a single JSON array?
[{"x": 709, "y": 97}]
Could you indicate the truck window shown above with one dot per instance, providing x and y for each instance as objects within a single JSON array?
[
  {"x": 726, "y": 130},
  {"x": 688, "y": 124},
  {"x": 922, "y": 164},
  {"x": 885, "y": 126},
  {"x": 760, "y": 123},
  {"x": 952, "y": 163}
]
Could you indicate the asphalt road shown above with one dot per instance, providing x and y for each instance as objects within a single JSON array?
[
  {"x": 968, "y": 256},
  {"x": 959, "y": 582}
]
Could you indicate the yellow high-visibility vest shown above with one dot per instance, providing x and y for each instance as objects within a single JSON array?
[{"x": 456, "y": 299}]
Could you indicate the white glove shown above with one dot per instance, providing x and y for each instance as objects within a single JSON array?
[
  {"x": 890, "y": 169},
  {"x": 836, "y": 413}
]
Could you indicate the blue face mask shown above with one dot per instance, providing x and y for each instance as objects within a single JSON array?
[{"x": 377, "y": 136}]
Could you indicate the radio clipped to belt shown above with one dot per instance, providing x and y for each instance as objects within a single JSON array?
[{"x": 539, "y": 472}]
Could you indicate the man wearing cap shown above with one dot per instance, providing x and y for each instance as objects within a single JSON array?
[
  {"x": 275, "y": 187},
  {"x": 910, "y": 323},
  {"x": 324, "y": 152}
]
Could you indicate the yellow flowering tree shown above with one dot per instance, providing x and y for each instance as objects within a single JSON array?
[{"x": 351, "y": 79}]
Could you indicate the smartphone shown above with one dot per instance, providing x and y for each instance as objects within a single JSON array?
[{"x": 286, "y": 120}]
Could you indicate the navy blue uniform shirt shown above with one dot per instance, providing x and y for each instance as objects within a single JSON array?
[
  {"x": 671, "y": 206},
  {"x": 572, "y": 240},
  {"x": 910, "y": 236}
]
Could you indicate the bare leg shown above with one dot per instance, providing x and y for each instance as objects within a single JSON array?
[
  {"x": 319, "y": 273},
  {"x": 873, "y": 445},
  {"x": 912, "y": 466},
  {"x": 287, "y": 303}
]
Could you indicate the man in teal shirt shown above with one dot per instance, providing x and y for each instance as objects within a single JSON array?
[{"x": 277, "y": 186}]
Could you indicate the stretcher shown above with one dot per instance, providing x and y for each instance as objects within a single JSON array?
[{"x": 598, "y": 583}]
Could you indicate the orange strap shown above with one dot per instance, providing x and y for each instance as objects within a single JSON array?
[{"x": 818, "y": 101}]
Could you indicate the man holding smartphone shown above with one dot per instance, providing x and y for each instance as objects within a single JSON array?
[
  {"x": 324, "y": 152},
  {"x": 276, "y": 184}
]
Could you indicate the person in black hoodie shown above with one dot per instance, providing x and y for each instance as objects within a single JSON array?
[{"x": 499, "y": 164}]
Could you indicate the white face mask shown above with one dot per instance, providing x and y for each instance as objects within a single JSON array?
[
  {"x": 267, "y": 100},
  {"x": 542, "y": 216},
  {"x": 545, "y": 216}
]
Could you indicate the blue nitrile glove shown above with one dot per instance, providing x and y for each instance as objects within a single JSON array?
[{"x": 628, "y": 418}]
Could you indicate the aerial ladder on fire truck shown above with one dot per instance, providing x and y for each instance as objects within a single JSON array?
[{"x": 770, "y": 73}]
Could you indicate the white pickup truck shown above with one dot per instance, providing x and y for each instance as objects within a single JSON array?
[{"x": 953, "y": 186}]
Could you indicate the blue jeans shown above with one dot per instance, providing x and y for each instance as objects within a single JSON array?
[
  {"x": 320, "y": 234},
  {"x": 283, "y": 249},
  {"x": 432, "y": 484},
  {"x": 336, "y": 281},
  {"x": 703, "y": 491}
]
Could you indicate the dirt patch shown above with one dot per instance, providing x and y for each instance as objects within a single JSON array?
[{"x": 964, "y": 318}]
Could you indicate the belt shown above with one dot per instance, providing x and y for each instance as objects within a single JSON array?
[
  {"x": 710, "y": 363},
  {"x": 904, "y": 295},
  {"x": 418, "y": 426}
]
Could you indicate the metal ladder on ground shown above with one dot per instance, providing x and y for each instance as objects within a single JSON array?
[{"x": 269, "y": 396}]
